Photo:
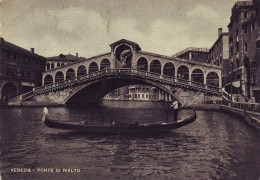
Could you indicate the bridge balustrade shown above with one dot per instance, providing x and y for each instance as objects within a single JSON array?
[{"x": 127, "y": 71}]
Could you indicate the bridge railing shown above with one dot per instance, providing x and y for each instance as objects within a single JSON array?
[{"x": 127, "y": 71}]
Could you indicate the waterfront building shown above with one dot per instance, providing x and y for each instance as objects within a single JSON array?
[
  {"x": 136, "y": 93},
  {"x": 20, "y": 70},
  {"x": 244, "y": 50},
  {"x": 57, "y": 61},
  {"x": 194, "y": 54},
  {"x": 219, "y": 54}
]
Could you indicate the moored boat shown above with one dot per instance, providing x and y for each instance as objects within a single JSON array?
[
  {"x": 252, "y": 121},
  {"x": 151, "y": 128}
]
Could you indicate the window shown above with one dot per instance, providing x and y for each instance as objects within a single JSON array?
[
  {"x": 253, "y": 64},
  {"x": 245, "y": 14},
  {"x": 52, "y": 65},
  {"x": 48, "y": 66},
  {"x": 142, "y": 95},
  {"x": 245, "y": 30},
  {"x": 245, "y": 47},
  {"x": 146, "y": 95},
  {"x": 253, "y": 26},
  {"x": 253, "y": 78},
  {"x": 138, "y": 95},
  {"x": 258, "y": 44}
]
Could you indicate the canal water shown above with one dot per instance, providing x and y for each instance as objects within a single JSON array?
[{"x": 215, "y": 146}]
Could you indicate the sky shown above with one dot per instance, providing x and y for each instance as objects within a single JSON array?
[{"x": 88, "y": 27}]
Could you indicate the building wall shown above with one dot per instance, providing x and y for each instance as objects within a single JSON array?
[{"x": 19, "y": 68}]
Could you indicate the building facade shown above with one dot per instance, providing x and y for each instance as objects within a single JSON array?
[
  {"x": 219, "y": 54},
  {"x": 243, "y": 51},
  {"x": 194, "y": 54},
  {"x": 57, "y": 61},
  {"x": 20, "y": 70}
]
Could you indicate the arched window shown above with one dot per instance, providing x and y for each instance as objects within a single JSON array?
[
  {"x": 70, "y": 74},
  {"x": 9, "y": 90},
  {"x": 48, "y": 66},
  {"x": 81, "y": 71},
  {"x": 183, "y": 72},
  {"x": 48, "y": 79},
  {"x": 93, "y": 67},
  {"x": 59, "y": 76},
  {"x": 155, "y": 66},
  {"x": 58, "y": 65},
  {"x": 52, "y": 65},
  {"x": 197, "y": 76},
  {"x": 142, "y": 64},
  {"x": 169, "y": 69},
  {"x": 105, "y": 64},
  {"x": 212, "y": 79}
]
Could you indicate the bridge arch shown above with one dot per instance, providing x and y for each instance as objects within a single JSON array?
[
  {"x": 213, "y": 79},
  {"x": 100, "y": 87},
  {"x": 93, "y": 66},
  {"x": 123, "y": 55},
  {"x": 155, "y": 66},
  {"x": 59, "y": 76},
  {"x": 183, "y": 72},
  {"x": 105, "y": 64},
  {"x": 197, "y": 75},
  {"x": 142, "y": 63},
  {"x": 169, "y": 69},
  {"x": 70, "y": 73},
  {"x": 81, "y": 70},
  {"x": 48, "y": 79}
]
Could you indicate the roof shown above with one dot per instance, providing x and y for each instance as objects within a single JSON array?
[
  {"x": 66, "y": 57},
  {"x": 122, "y": 41},
  {"x": 194, "y": 49},
  {"x": 14, "y": 47}
]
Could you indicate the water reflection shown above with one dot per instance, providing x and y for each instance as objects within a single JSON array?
[{"x": 215, "y": 146}]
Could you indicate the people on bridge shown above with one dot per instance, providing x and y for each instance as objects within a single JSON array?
[{"x": 175, "y": 107}]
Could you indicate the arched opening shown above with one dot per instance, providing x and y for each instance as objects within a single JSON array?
[
  {"x": 169, "y": 69},
  {"x": 52, "y": 65},
  {"x": 48, "y": 66},
  {"x": 48, "y": 79},
  {"x": 197, "y": 76},
  {"x": 212, "y": 79},
  {"x": 123, "y": 56},
  {"x": 70, "y": 74},
  {"x": 9, "y": 91},
  {"x": 155, "y": 66},
  {"x": 81, "y": 71},
  {"x": 142, "y": 64},
  {"x": 183, "y": 72},
  {"x": 58, "y": 65},
  {"x": 105, "y": 64},
  {"x": 93, "y": 67},
  {"x": 59, "y": 76}
]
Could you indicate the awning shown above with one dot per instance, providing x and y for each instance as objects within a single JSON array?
[
  {"x": 27, "y": 84},
  {"x": 235, "y": 84}
]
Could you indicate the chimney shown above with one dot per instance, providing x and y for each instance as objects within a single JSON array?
[
  {"x": 77, "y": 54},
  {"x": 32, "y": 50},
  {"x": 219, "y": 31},
  {"x": 1, "y": 40}
]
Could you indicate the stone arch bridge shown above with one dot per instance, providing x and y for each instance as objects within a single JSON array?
[{"x": 89, "y": 80}]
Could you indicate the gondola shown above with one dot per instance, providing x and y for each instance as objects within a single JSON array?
[
  {"x": 151, "y": 128},
  {"x": 252, "y": 121}
]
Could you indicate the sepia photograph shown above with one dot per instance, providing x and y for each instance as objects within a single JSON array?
[{"x": 129, "y": 89}]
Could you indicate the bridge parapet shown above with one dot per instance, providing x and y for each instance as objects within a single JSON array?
[{"x": 131, "y": 73}]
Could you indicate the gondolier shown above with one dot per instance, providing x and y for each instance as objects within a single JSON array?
[{"x": 175, "y": 107}]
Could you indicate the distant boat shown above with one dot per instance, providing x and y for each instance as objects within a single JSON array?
[
  {"x": 252, "y": 121},
  {"x": 151, "y": 128}
]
